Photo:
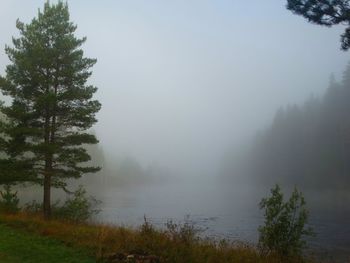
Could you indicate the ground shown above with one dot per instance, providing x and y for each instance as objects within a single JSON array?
[{"x": 18, "y": 246}]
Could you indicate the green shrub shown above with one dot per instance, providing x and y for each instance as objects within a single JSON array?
[
  {"x": 9, "y": 200},
  {"x": 33, "y": 207},
  {"x": 285, "y": 224},
  {"x": 78, "y": 208}
]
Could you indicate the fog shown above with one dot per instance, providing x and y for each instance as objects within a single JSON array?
[
  {"x": 181, "y": 83},
  {"x": 185, "y": 88}
]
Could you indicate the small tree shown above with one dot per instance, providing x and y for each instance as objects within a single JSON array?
[
  {"x": 78, "y": 208},
  {"x": 9, "y": 200},
  {"x": 52, "y": 107},
  {"x": 285, "y": 224}
]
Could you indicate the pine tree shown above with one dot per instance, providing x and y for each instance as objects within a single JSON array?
[
  {"x": 326, "y": 13},
  {"x": 46, "y": 124}
]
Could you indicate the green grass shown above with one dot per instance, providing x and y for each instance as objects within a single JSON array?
[{"x": 17, "y": 246}]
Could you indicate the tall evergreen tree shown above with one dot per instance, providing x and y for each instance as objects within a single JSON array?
[{"x": 52, "y": 107}]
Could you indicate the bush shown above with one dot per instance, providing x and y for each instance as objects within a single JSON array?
[
  {"x": 79, "y": 208},
  {"x": 9, "y": 200},
  {"x": 185, "y": 233},
  {"x": 285, "y": 224},
  {"x": 33, "y": 207}
]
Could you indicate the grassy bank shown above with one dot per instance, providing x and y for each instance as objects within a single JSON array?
[
  {"x": 175, "y": 244},
  {"x": 19, "y": 247}
]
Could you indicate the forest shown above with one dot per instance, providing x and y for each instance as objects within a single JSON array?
[{"x": 306, "y": 145}]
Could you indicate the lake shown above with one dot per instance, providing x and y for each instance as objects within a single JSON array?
[{"x": 225, "y": 210}]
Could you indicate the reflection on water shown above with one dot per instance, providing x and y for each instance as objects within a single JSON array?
[{"x": 223, "y": 211}]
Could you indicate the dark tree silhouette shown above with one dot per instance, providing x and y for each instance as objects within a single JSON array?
[
  {"x": 306, "y": 145},
  {"x": 326, "y": 13}
]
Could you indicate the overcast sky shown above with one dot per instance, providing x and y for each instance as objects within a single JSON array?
[{"x": 180, "y": 81}]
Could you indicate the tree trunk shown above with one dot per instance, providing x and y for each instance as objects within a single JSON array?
[
  {"x": 48, "y": 167},
  {"x": 47, "y": 185},
  {"x": 50, "y": 129},
  {"x": 47, "y": 196}
]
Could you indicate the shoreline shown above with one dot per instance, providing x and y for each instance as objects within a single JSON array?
[{"x": 176, "y": 244}]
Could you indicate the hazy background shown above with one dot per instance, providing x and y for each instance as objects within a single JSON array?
[
  {"x": 182, "y": 82},
  {"x": 185, "y": 86}
]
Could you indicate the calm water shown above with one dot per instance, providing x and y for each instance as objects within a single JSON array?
[{"x": 224, "y": 211}]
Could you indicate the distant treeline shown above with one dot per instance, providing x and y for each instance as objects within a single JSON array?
[
  {"x": 117, "y": 170},
  {"x": 307, "y": 145}
]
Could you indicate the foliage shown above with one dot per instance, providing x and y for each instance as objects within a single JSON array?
[
  {"x": 33, "y": 207},
  {"x": 52, "y": 106},
  {"x": 325, "y": 12},
  {"x": 285, "y": 224},
  {"x": 79, "y": 208},
  {"x": 9, "y": 200},
  {"x": 103, "y": 240}
]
